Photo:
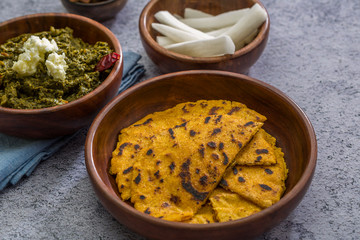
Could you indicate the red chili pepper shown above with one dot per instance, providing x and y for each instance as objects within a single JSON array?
[{"x": 107, "y": 61}]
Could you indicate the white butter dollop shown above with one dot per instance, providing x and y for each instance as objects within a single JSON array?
[
  {"x": 34, "y": 52},
  {"x": 56, "y": 65}
]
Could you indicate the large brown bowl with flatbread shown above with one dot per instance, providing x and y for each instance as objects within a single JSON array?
[{"x": 285, "y": 121}]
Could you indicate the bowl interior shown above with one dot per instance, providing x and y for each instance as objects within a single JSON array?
[{"x": 286, "y": 122}]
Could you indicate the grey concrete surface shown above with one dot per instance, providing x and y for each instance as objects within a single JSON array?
[{"x": 313, "y": 55}]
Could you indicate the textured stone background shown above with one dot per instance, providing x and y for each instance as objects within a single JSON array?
[{"x": 312, "y": 55}]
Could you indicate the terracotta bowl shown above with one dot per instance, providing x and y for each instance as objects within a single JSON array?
[
  {"x": 168, "y": 61},
  {"x": 63, "y": 119},
  {"x": 99, "y": 11},
  {"x": 286, "y": 121}
]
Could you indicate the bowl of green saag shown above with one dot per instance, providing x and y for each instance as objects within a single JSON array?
[{"x": 57, "y": 70}]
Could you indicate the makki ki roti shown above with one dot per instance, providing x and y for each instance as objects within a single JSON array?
[
  {"x": 134, "y": 138},
  {"x": 123, "y": 159},
  {"x": 230, "y": 206},
  {"x": 183, "y": 112},
  {"x": 259, "y": 151},
  {"x": 204, "y": 215},
  {"x": 263, "y": 185},
  {"x": 169, "y": 162},
  {"x": 178, "y": 171},
  {"x": 242, "y": 200}
]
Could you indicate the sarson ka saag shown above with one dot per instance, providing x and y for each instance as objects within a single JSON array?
[{"x": 50, "y": 68}]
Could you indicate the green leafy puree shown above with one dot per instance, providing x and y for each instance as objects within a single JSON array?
[{"x": 41, "y": 90}]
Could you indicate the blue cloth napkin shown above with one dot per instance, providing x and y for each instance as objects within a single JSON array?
[{"x": 19, "y": 157}]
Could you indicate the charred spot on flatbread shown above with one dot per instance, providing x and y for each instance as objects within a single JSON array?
[
  {"x": 216, "y": 131},
  {"x": 212, "y": 144},
  {"x": 214, "y": 110},
  {"x": 207, "y": 119},
  {"x": 129, "y": 169},
  {"x": 137, "y": 179},
  {"x": 241, "y": 179},
  {"x": 234, "y": 109},
  {"x": 192, "y": 133},
  {"x": 121, "y": 148},
  {"x": 144, "y": 123},
  {"x": 171, "y": 133}
]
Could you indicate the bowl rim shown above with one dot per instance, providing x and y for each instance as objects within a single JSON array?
[
  {"x": 303, "y": 182},
  {"x": 144, "y": 15},
  {"x": 95, "y": 4},
  {"x": 116, "y": 68}
]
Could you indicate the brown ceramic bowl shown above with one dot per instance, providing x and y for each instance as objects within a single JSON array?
[
  {"x": 63, "y": 119},
  {"x": 168, "y": 61},
  {"x": 99, "y": 11},
  {"x": 286, "y": 121}
]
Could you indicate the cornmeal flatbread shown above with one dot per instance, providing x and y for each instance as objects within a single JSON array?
[
  {"x": 263, "y": 185},
  {"x": 181, "y": 113},
  {"x": 179, "y": 170},
  {"x": 259, "y": 151},
  {"x": 169, "y": 162},
  {"x": 123, "y": 159},
  {"x": 204, "y": 215},
  {"x": 230, "y": 206},
  {"x": 135, "y": 138}
]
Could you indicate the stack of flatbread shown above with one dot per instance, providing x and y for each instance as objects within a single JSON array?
[{"x": 199, "y": 162}]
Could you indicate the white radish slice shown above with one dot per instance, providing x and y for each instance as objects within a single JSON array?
[
  {"x": 251, "y": 37},
  {"x": 175, "y": 34},
  {"x": 219, "y": 21},
  {"x": 218, "y": 32},
  {"x": 165, "y": 17},
  {"x": 194, "y": 13},
  {"x": 248, "y": 39},
  {"x": 177, "y": 16},
  {"x": 204, "y": 48},
  {"x": 164, "y": 41},
  {"x": 246, "y": 25}
]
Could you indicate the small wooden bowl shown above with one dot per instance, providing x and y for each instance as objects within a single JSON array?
[
  {"x": 286, "y": 121},
  {"x": 63, "y": 119},
  {"x": 168, "y": 61},
  {"x": 99, "y": 11}
]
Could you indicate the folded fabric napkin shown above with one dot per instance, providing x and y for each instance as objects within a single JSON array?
[{"x": 19, "y": 157}]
